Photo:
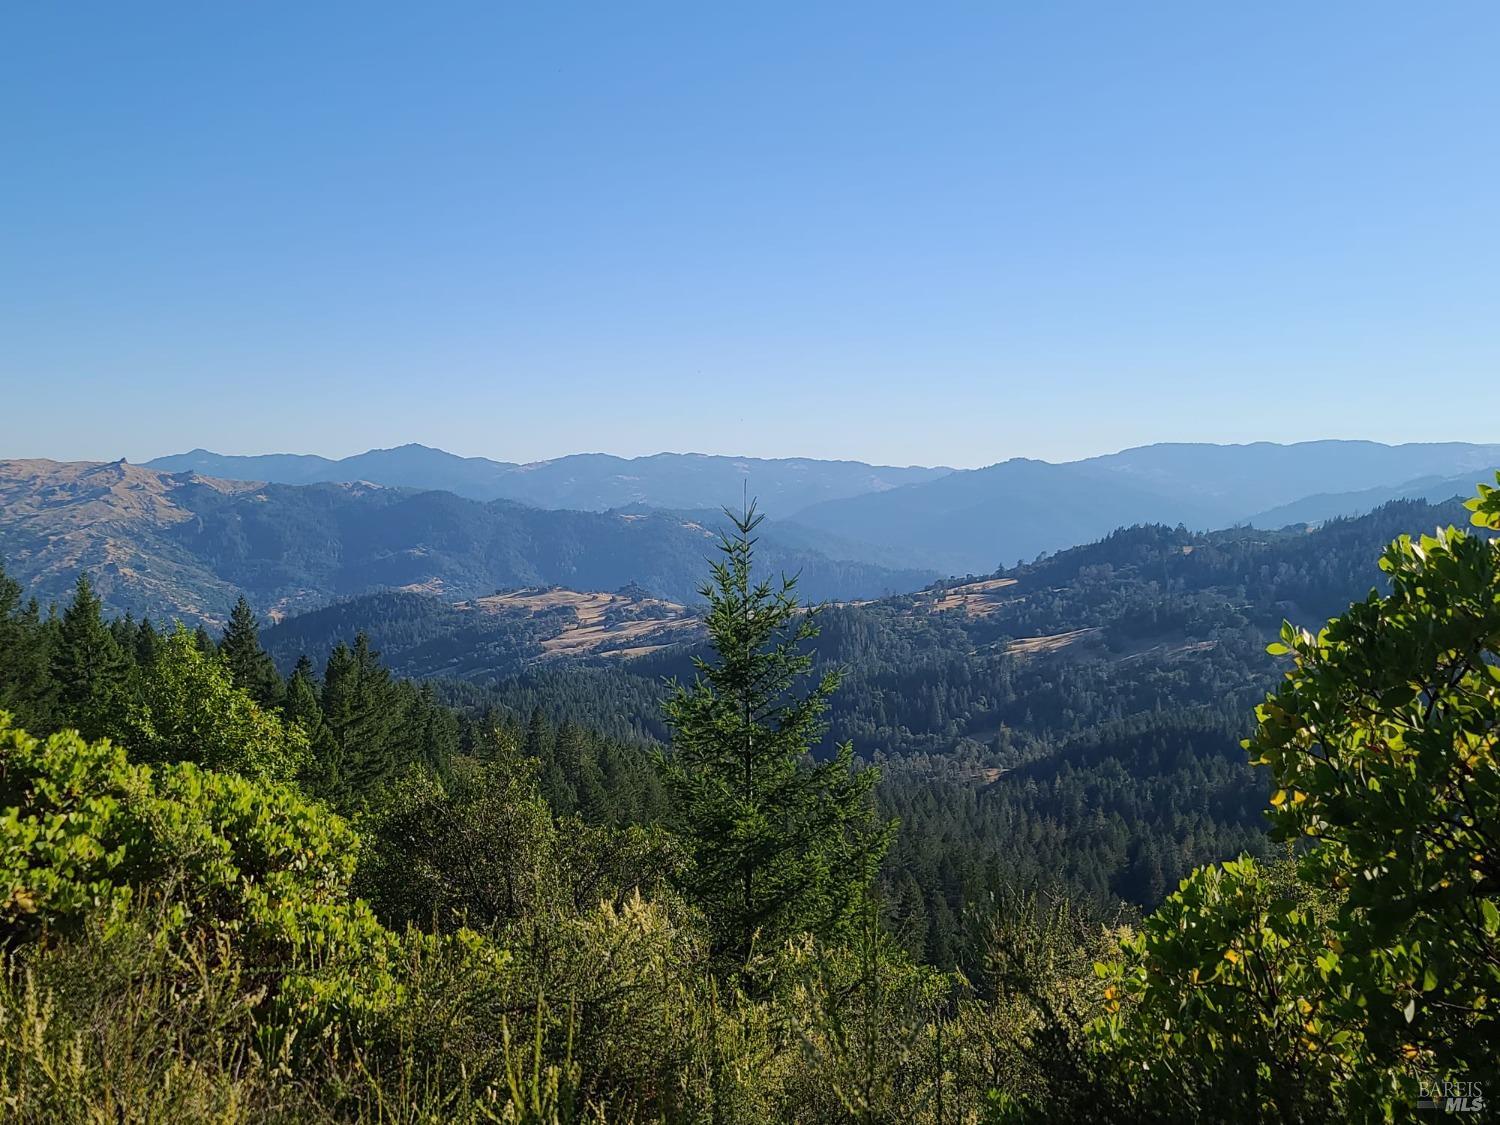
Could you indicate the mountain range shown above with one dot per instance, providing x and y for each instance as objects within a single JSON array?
[
  {"x": 184, "y": 545},
  {"x": 1330, "y": 505},
  {"x": 589, "y": 482},
  {"x": 950, "y": 521},
  {"x": 172, "y": 540},
  {"x": 973, "y": 521}
]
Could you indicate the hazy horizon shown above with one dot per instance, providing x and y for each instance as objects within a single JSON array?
[
  {"x": 499, "y": 457},
  {"x": 951, "y": 238}
]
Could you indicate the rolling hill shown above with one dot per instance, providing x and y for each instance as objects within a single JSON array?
[{"x": 483, "y": 638}]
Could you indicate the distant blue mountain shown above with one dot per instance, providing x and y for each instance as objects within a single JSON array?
[
  {"x": 973, "y": 521},
  {"x": 1329, "y": 505},
  {"x": 966, "y": 521},
  {"x": 591, "y": 482}
]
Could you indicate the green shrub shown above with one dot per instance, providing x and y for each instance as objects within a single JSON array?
[
  {"x": 83, "y": 831},
  {"x": 191, "y": 711},
  {"x": 1227, "y": 1005}
]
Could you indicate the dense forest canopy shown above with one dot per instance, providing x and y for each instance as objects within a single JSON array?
[{"x": 1075, "y": 719}]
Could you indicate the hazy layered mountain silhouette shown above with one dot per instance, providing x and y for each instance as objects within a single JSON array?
[
  {"x": 972, "y": 521},
  {"x": 1241, "y": 480},
  {"x": 1330, "y": 505},
  {"x": 901, "y": 521},
  {"x": 965, "y": 521},
  {"x": 975, "y": 521},
  {"x": 593, "y": 482}
]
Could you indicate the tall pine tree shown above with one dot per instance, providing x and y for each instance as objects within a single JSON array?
[
  {"x": 778, "y": 844},
  {"x": 251, "y": 666},
  {"x": 90, "y": 671},
  {"x": 302, "y": 708},
  {"x": 364, "y": 739},
  {"x": 301, "y": 705},
  {"x": 537, "y": 735},
  {"x": 25, "y": 680},
  {"x": 147, "y": 643}
]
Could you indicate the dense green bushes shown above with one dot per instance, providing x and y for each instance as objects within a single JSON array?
[
  {"x": 85, "y": 832},
  {"x": 1350, "y": 982},
  {"x": 222, "y": 907}
]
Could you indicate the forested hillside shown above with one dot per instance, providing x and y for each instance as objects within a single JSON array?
[
  {"x": 1075, "y": 719},
  {"x": 1149, "y": 617},
  {"x": 232, "y": 892},
  {"x": 481, "y": 639}
]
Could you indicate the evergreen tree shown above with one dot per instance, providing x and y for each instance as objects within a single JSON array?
[
  {"x": 339, "y": 704},
  {"x": 301, "y": 705},
  {"x": 147, "y": 643},
  {"x": 561, "y": 779},
  {"x": 569, "y": 750},
  {"x": 432, "y": 728},
  {"x": 251, "y": 666},
  {"x": 123, "y": 630},
  {"x": 90, "y": 672},
  {"x": 593, "y": 796},
  {"x": 536, "y": 735},
  {"x": 360, "y": 745},
  {"x": 25, "y": 682},
  {"x": 557, "y": 791},
  {"x": 778, "y": 844}
]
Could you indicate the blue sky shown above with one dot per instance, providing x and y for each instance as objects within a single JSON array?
[{"x": 908, "y": 233}]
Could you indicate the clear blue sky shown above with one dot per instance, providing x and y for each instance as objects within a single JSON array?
[{"x": 903, "y": 233}]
